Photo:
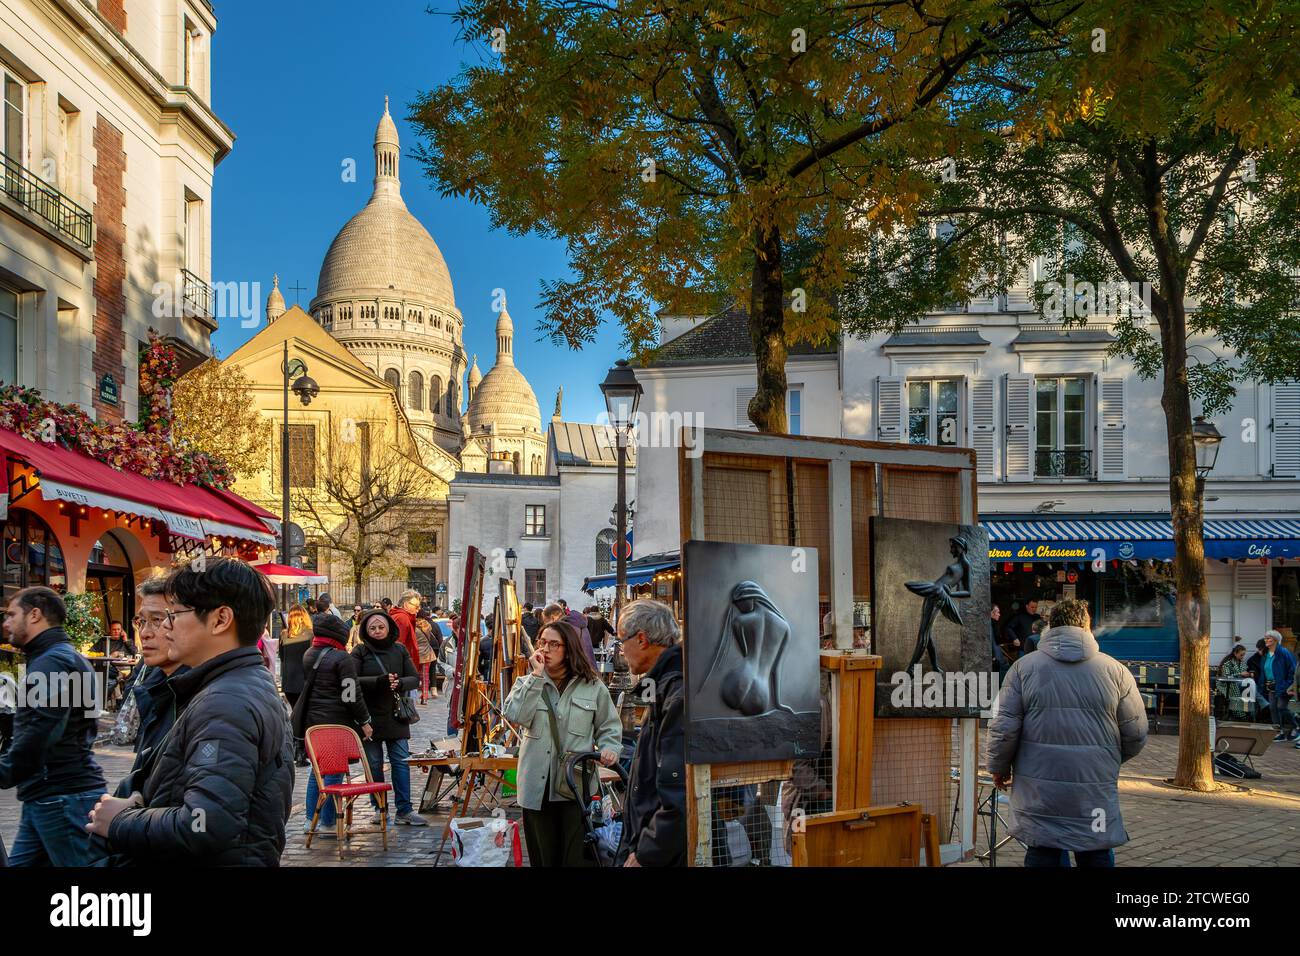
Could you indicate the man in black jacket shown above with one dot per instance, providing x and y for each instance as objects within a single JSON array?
[
  {"x": 1020, "y": 631},
  {"x": 220, "y": 789},
  {"x": 654, "y": 815},
  {"x": 49, "y": 760}
]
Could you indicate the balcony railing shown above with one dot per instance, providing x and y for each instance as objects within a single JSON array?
[
  {"x": 34, "y": 194},
  {"x": 197, "y": 295},
  {"x": 1063, "y": 463}
]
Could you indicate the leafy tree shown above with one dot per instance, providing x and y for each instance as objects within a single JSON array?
[
  {"x": 1169, "y": 162},
  {"x": 213, "y": 411},
  {"x": 697, "y": 153}
]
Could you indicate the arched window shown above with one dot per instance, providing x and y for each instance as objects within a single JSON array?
[
  {"x": 416, "y": 392},
  {"x": 394, "y": 378},
  {"x": 435, "y": 395},
  {"x": 31, "y": 554},
  {"x": 517, "y": 461},
  {"x": 605, "y": 550},
  {"x": 453, "y": 399}
]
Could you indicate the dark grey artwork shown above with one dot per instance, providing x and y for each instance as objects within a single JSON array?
[
  {"x": 930, "y": 590},
  {"x": 751, "y": 652}
]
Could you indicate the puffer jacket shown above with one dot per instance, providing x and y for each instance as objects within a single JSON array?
[
  {"x": 375, "y": 661},
  {"x": 335, "y": 696},
  {"x": 221, "y": 787},
  {"x": 1067, "y": 718}
]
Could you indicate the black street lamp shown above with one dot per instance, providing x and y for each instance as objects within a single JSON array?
[
  {"x": 1207, "y": 440},
  {"x": 306, "y": 389},
  {"x": 622, "y": 395},
  {"x": 512, "y": 560}
]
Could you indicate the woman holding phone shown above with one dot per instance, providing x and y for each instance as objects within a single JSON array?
[{"x": 561, "y": 707}]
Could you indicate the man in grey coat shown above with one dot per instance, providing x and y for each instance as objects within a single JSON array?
[{"x": 1066, "y": 719}]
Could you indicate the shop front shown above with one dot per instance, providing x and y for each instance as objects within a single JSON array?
[
  {"x": 76, "y": 525},
  {"x": 1122, "y": 567}
]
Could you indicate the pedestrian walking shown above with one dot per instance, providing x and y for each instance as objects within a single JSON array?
[
  {"x": 579, "y": 624},
  {"x": 1000, "y": 660},
  {"x": 1067, "y": 718},
  {"x": 599, "y": 628},
  {"x": 403, "y": 615},
  {"x": 654, "y": 813},
  {"x": 562, "y": 706},
  {"x": 220, "y": 789},
  {"x": 1277, "y": 667},
  {"x": 424, "y": 642},
  {"x": 331, "y": 695},
  {"x": 49, "y": 760},
  {"x": 325, "y": 605},
  {"x": 530, "y": 621},
  {"x": 1023, "y": 629},
  {"x": 387, "y": 675},
  {"x": 295, "y": 640}
]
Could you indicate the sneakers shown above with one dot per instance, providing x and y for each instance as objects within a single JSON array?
[
  {"x": 1280, "y": 737},
  {"x": 376, "y": 818},
  {"x": 1294, "y": 735},
  {"x": 412, "y": 819}
]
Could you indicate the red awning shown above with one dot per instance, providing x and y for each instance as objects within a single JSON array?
[
  {"x": 189, "y": 511},
  {"x": 284, "y": 574}
]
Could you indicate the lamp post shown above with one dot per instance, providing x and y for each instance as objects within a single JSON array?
[
  {"x": 622, "y": 395},
  {"x": 1207, "y": 440},
  {"x": 512, "y": 560},
  {"x": 306, "y": 389}
]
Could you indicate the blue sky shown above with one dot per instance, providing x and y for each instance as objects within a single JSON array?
[{"x": 302, "y": 85}]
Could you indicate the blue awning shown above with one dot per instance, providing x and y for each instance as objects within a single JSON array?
[
  {"x": 1067, "y": 538},
  {"x": 642, "y": 574}
]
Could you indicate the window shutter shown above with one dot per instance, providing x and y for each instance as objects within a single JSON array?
[
  {"x": 743, "y": 396},
  {"x": 1020, "y": 427},
  {"x": 890, "y": 425},
  {"x": 1286, "y": 430},
  {"x": 983, "y": 427},
  {"x": 1019, "y": 292},
  {"x": 1111, "y": 465}
]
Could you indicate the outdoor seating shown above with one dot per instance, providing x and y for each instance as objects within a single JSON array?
[{"x": 332, "y": 748}]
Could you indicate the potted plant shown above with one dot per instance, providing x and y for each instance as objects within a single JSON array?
[{"x": 83, "y": 625}]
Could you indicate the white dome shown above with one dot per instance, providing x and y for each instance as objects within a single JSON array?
[{"x": 504, "y": 398}]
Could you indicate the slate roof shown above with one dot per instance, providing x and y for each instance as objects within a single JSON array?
[
  {"x": 1076, "y": 336},
  {"x": 721, "y": 339},
  {"x": 933, "y": 337},
  {"x": 580, "y": 444}
]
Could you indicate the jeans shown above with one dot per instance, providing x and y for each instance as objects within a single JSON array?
[
  {"x": 398, "y": 753},
  {"x": 327, "y": 813},
  {"x": 52, "y": 831},
  {"x": 1281, "y": 713},
  {"x": 1050, "y": 856}
]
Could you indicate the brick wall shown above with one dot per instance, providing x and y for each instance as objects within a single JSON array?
[
  {"x": 110, "y": 263},
  {"x": 114, "y": 11}
]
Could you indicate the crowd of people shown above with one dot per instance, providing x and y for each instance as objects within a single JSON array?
[{"x": 217, "y": 741}]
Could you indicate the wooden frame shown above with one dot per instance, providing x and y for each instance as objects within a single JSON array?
[{"x": 839, "y": 455}]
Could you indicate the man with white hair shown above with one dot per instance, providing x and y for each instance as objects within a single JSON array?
[
  {"x": 654, "y": 814},
  {"x": 1278, "y": 668}
]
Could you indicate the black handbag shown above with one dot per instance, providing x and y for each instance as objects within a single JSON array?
[{"x": 404, "y": 709}]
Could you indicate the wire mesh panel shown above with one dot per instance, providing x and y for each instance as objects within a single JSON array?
[
  {"x": 922, "y": 495},
  {"x": 745, "y": 500},
  {"x": 812, "y": 518},
  {"x": 863, "y": 495}
]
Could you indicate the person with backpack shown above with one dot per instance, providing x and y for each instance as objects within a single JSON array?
[
  {"x": 331, "y": 694},
  {"x": 387, "y": 675}
]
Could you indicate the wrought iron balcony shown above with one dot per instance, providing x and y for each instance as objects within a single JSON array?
[
  {"x": 1063, "y": 463},
  {"x": 34, "y": 194},
  {"x": 197, "y": 295}
]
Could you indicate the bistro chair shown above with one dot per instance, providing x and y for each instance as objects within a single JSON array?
[{"x": 333, "y": 748}]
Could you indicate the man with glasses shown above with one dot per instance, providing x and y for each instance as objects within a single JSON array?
[
  {"x": 654, "y": 814},
  {"x": 219, "y": 790}
]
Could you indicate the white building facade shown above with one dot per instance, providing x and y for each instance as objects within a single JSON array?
[
  {"x": 109, "y": 142},
  {"x": 1072, "y": 463}
]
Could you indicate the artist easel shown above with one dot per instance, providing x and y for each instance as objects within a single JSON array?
[{"x": 477, "y": 703}]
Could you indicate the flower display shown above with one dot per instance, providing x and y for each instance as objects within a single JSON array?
[{"x": 145, "y": 448}]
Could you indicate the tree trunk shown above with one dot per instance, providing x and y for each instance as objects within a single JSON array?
[
  {"x": 767, "y": 331},
  {"x": 356, "y": 585},
  {"x": 1192, "y": 607}
]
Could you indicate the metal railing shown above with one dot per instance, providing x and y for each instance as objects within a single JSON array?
[
  {"x": 1063, "y": 463},
  {"x": 197, "y": 294},
  {"x": 34, "y": 194}
]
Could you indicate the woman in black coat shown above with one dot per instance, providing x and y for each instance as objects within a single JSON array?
[
  {"x": 332, "y": 698},
  {"x": 386, "y": 673}
]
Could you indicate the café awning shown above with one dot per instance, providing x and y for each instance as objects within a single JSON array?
[
  {"x": 1079, "y": 537},
  {"x": 639, "y": 572},
  {"x": 285, "y": 574},
  {"x": 189, "y": 511}
]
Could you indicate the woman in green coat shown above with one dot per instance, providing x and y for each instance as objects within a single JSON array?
[{"x": 561, "y": 707}]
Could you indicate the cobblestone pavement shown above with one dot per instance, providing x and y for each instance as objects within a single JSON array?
[{"x": 1255, "y": 823}]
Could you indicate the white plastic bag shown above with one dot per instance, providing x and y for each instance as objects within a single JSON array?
[{"x": 485, "y": 841}]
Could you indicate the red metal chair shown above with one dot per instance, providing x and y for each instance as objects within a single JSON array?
[{"x": 333, "y": 748}]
